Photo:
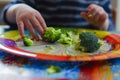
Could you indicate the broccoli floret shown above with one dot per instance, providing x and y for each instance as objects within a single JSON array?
[
  {"x": 89, "y": 42},
  {"x": 53, "y": 69},
  {"x": 52, "y": 35},
  {"x": 27, "y": 41},
  {"x": 66, "y": 38}
]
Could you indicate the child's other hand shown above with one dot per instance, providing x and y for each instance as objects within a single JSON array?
[
  {"x": 30, "y": 19},
  {"x": 96, "y": 16}
]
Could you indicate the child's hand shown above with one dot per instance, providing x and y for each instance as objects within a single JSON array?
[
  {"x": 96, "y": 16},
  {"x": 30, "y": 19}
]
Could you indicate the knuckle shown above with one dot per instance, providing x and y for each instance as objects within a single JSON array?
[
  {"x": 20, "y": 24},
  {"x": 30, "y": 14},
  {"x": 18, "y": 17},
  {"x": 37, "y": 25},
  {"x": 22, "y": 16},
  {"x": 34, "y": 13}
]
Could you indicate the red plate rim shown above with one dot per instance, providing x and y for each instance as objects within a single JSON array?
[
  {"x": 112, "y": 38},
  {"x": 102, "y": 56}
]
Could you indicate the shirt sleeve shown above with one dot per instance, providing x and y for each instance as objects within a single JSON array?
[{"x": 106, "y": 4}]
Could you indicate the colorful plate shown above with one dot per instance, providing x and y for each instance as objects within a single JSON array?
[{"x": 42, "y": 50}]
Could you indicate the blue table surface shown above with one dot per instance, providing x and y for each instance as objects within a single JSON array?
[{"x": 13, "y": 65}]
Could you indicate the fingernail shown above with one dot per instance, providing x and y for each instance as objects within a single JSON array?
[{"x": 37, "y": 39}]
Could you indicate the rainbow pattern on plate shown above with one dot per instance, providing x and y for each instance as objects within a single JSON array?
[{"x": 41, "y": 50}]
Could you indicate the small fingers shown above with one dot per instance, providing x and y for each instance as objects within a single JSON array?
[
  {"x": 85, "y": 16},
  {"x": 31, "y": 29},
  {"x": 20, "y": 25},
  {"x": 93, "y": 7},
  {"x": 102, "y": 18},
  {"x": 37, "y": 25},
  {"x": 92, "y": 10},
  {"x": 41, "y": 21},
  {"x": 95, "y": 10},
  {"x": 97, "y": 16}
]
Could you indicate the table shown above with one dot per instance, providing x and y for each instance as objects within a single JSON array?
[{"x": 14, "y": 67}]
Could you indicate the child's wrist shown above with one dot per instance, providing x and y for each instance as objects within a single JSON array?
[{"x": 105, "y": 26}]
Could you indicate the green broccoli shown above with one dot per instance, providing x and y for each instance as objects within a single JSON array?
[
  {"x": 66, "y": 38},
  {"x": 52, "y": 35},
  {"x": 89, "y": 42},
  {"x": 27, "y": 41},
  {"x": 53, "y": 69}
]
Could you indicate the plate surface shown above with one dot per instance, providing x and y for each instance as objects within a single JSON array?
[{"x": 9, "y": 42}]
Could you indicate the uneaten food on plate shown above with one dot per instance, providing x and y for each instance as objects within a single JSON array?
[
  {"x": 27, "y": 41},
  {"x": 84, "y": 41},
  {"x": 89, "y": 42},
  {"x": 51, "y": 34},
  {"x": 55, "y": 35}
]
